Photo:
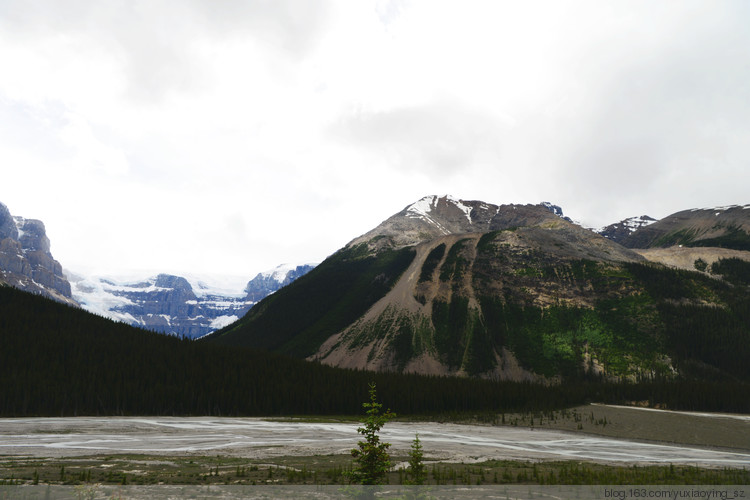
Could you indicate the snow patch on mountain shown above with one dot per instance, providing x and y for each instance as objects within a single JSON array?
[
  {"x": 222, "y": 321},
  {"x": 723, "y": 209},
  {"x": 281, "y": 272},
  {"x": 189, "y": 305},
  {"x": 422, "y": 209},
  {"x": 464, "y": 208},
  {"x": 219, "y": 285},
  {"x": 20, "y": 222},
  {"x": 631, "y": 224}
]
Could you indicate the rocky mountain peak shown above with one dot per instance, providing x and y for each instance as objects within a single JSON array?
[
  {"x": 435, "y": 216},
  {"x": 267, "y": 282},
  {"x": 8, "y": 227},
  {"x": 32, "y": 235},
  {"x": 620, "y": 231},
  {"x": 25, "y": 258},
  {"x": 557, "y": 210},
  {"x": 177, "y": 283}
]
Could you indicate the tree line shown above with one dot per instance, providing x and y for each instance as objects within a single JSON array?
[{"x": 57, "y": 360}]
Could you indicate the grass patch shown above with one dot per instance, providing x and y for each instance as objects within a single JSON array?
[{"x": 333, "y": 469}]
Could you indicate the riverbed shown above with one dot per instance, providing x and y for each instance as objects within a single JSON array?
[{"x": 263, "y": 438}]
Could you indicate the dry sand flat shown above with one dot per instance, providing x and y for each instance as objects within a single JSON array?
[
  {"x": 659, "y": 426},
  {"x": 685, "y": 257},
  {"x": 258, "y": 438}
]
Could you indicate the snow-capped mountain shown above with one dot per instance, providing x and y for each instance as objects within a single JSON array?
[
  {"x": 434, "y": 216},
  {"x": 619, "y": 231},
  {"x": 186, "y": 306},
  {"x": 267, "y": 282},
  {"x": 26, "y": 261}
]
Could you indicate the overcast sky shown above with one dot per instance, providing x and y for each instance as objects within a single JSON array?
[{"x": 226, "y": 137}]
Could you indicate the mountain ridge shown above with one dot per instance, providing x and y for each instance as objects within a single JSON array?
[
  {"x": 512, "y": 292},
  {"x": 185, "y": 306},
  {"x": 724, "y": 227},
  {"x": 433, "y": 216}
]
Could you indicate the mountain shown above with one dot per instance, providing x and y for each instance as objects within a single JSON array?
[
  {"x": 266, "y": 283},
  {"x": 459, "y": 287},
  {"x": 619, "y": 231},
  {"x": 723, "y": 227},
  {"x": 516, "y": 292},
  {"x": 58, "y": 360},
  {"x": 436, "y": 216},
  {"x": 184, "y": 306},
  {"x": 25, "y": 259}
]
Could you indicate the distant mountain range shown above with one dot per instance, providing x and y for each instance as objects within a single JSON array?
[
  {"x": 443, "y": 270},
  {"x": 519, "y": 292},
  {"x": 183, "y": 306}
]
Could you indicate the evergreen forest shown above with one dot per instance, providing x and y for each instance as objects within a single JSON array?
[{"x": 56, "y": 360}]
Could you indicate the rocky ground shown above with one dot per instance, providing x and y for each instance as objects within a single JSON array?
[{"x": 685, "y": 257}]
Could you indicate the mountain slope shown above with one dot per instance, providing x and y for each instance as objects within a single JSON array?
[
  {"x": 514, "y": 292},
  {"x": 724, "y": 227},
  {"x": 57, "y": 360},
  {"x": 297, "y": 318}
]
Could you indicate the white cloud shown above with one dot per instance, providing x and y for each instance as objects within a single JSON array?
[{"x": 217, "y": 136}]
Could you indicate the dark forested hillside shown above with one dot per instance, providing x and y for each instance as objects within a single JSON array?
[
  {"x": 59, "y": 360},
  {"x": 327, "y": 299}
]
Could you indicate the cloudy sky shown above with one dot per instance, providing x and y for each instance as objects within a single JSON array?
[{"x": 226, "y": 137}]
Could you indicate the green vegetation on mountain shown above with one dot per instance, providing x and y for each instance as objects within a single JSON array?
[
  {"x": 525, "y": 302},
  {"x": 296, "y": 320},
  {"x": 534, "y": 299},
  {"x": 431, "y": 262},
  {"x": 59, "y": 360},
  {"x": 455, "y": 265},
  {"x": 734, "y": 237},
  {"x": 735, "y": 271},
  {"x": 706, "y": 320}
]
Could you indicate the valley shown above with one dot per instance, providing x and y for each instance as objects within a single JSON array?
[
  {"x": 490, "y": 329},
  {"x": 203, "y": 450}
]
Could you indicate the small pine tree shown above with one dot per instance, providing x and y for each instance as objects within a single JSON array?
[
  {"x": 417, "y": 474},
  {"x": 371, "y": 458}
]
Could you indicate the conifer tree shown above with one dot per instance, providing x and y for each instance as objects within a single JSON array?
[
  {"x": 371, "y": 458},
  {"x": 416, "y": 470}
]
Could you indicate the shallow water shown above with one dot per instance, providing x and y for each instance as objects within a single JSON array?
[{"x": 258, "y": 438}]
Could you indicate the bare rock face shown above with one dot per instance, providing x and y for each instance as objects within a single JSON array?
[
  {"x": 26, "y": 261},
  {"x": 436, "y": 216},
  {"x": 7, "y": 224}
]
